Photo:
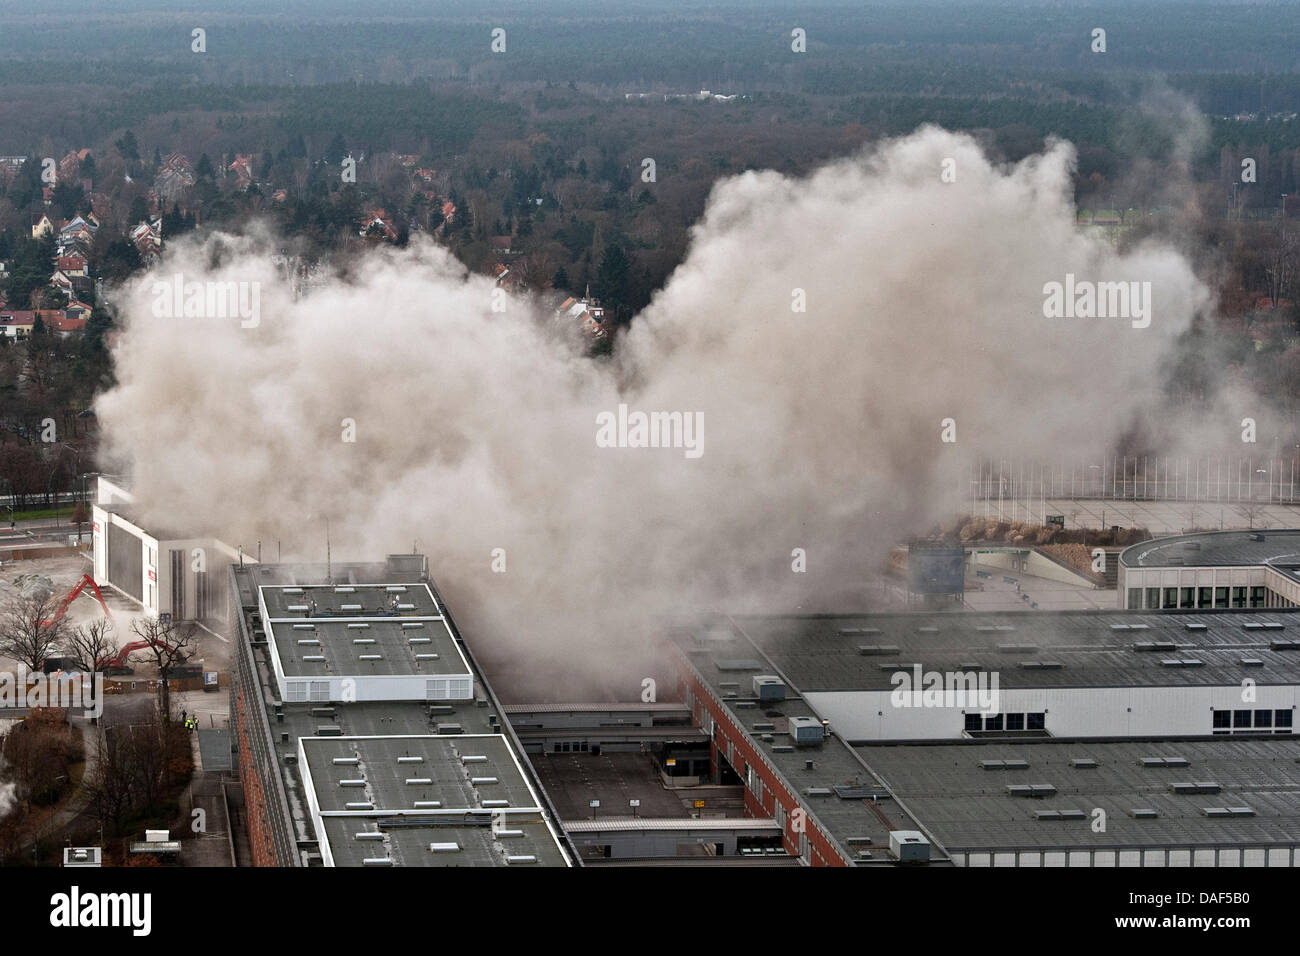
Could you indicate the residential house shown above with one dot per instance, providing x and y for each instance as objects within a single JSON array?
[
  {"x": 42, "y": 225},
  {"x": 16, "y": 323},
  {"x": 242, "y": 169},
  {"x": 375, "y": 223},
  {"x": 70, "y": 165},
  {"x": 586, "y": 312}
]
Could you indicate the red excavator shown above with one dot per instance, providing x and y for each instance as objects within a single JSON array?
[
  {"x": 117, "y": 663},
  {"x": 72, "y": 596}
]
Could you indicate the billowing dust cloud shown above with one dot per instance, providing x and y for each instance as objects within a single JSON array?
[{"x": 476, "y": 429}]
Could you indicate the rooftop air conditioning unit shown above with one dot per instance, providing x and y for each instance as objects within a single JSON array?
[
  {"x": 769, "y": 687},
  {"x": 909, "y": 846},
  {"x": 806, "y": 731}
]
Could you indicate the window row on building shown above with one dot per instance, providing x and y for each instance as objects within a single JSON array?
[
  {"x": 977, "y": 721},
  {"x": 1254, "y": 721},
  {"x": 1169, "y": 599}
]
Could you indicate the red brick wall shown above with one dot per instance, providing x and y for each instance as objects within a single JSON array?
[
  {"x": 256, "y": 818},
  {"x": 821, "y": 851}
]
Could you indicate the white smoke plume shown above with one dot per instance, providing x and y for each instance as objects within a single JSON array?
[{"x": 476, "y": 429}]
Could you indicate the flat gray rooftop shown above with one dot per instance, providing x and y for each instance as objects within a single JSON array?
[
  {"x": 967, "y": 806},
  {"x": 350, "y": 600},
  {"x": 857, "y": 823},
  {"x": 319, "y": 647},
  {"x": 524, "y": 841},
  {"x": 1280, "y": 549},
  {"x": 412, "y": 773},
  {"x": 1092, "y": 648},
  {"x": 426, "y": 801}
]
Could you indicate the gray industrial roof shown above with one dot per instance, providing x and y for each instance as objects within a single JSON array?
[
  {"x": 326, "y": 724},
  {"x": 370, "y": 647},
  {"x": 430, "y": 800},
  {"x": 402, "y": 773},
  {"x": 967, "y": 806},
  {"x": 1279, "y": 548},
  {"x": 350, "y": 600},
  {"x": 410, "y": 842},
  {"x": 1092, "y": 648},
  {"x": 858, "y": 824}
]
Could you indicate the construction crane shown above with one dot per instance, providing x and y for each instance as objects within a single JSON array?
[{"x": 86, "y": 579}]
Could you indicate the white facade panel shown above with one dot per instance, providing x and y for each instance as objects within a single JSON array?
[{"x": 1070, "y": 711}]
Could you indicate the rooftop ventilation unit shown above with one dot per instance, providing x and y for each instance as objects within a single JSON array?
[
  {"x": 1005, "y": 764},
  {"x": 347, "y": 761},
  {"x": 483, "y": 781},
  {"x": 419, "y": 781},
  {"x": 1182, "y": 662},
  {"x": 369, "y": 835},
  {"x": 360, "y": 805},
  {"x": 769, "y": 687},
  {"x": 428, "y": 804},
  {"x": 872, "y": 650},
  {"x": 1144, "y": 813},
  {"x": 1251, "y": 662},
  {"x": 349, "y": 607},
  {"x": 1083, "y": 763},
  {"x": 850, "y": 631},
  {"x": 416, "y": 759},
  {"x": 1041, "y": 665},
  {"x": 444, "y": 847},
  {"x": 1194, "y": 626},
  {"x": 1284, "y": 645},
  {"x": 357, "y": 627},
  {"x": 494, "y": 803},
  {"x": 1163, "y": 761},
  {"x": 304, "y": 627},
  {"x": 344, "y": 589},
  {"x": 297, "y": 607},
  {"x": 806, "y": 731},
  {"x": 909, "y": 846},
  {"x": 1018, "y": 648},
  {"x": 293, "y": 590},
  {"x": 377, "y": 861},
  {"x": 396, "y": 589},
  {"x": 1034, "y": 790},
  {"x": 1203, "y": 786},
  {"x": 515, "y": 860},
  {"x": 1145, "y": 647},
  {"x": 408, "y": 624},
  {"x": 308, "y": 642},
  {"x": 1060, "y": 815}
]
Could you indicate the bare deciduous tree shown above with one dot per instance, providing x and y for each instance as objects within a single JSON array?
[
  {"x": 92, "y": 644},
  {"x": 28, "y": 631},
  {"x": 171, "y": 644}
]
